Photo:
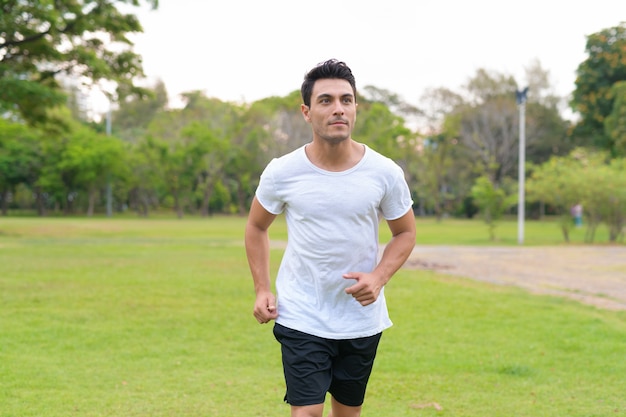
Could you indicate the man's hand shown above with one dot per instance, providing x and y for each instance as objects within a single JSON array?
[
  {"x": 265, "y": 307},
  {"x": 366, "y": 289}
]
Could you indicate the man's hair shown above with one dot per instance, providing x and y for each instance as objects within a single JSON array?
[{"x": 327, "y": 69}]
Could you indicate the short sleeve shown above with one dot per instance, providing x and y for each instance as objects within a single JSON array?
[
  {"x": 397, "y": 200},
  {"x": 266, "y": 192}
]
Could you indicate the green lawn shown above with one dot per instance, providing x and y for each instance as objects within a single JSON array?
[{"x": 136, "y": 317}]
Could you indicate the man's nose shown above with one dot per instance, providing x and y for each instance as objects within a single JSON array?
[{"x": 338, "y": 109}]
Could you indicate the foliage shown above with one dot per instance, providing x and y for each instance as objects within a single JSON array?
[
  {"x": 77, "y": 158},
  {"x": 134, "y": 114},
  {"x": 207, "y": 156},
  {"x": 492, "y": 201},
  {"x": 434, "y": 170},
  {"x": 587, "y": 178},
  {"x": 442, "y": 168},
  {"x": 615, "y": 122},
  {"x": 20, "y": 160},
  {"x": 85, "y": 40},
  {"x": 594, "y": 99},
  {"x": 486, "y": 125},
  {"x": 382, "y": 130}
]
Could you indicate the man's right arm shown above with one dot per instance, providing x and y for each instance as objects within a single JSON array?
[{"x": 258, "y": 253}]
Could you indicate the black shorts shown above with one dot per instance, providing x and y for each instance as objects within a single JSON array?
[{"x": 314, "y": 366}]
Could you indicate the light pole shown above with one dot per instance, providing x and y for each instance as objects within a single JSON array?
[{"x": 521, "y": 103}]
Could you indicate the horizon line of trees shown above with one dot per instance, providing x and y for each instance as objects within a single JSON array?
[{"x": 206, "y": 157}]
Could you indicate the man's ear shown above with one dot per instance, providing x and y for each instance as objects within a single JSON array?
[{"x": 305, "y": 112}]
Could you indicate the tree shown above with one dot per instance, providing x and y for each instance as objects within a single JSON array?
[
  {"x": 488, "y": 124},
  {"x": 382, "y": 130},
  {"x": 210, "y": 152},
  {"x": 492, "y": 202},
  {"x": 281, "y": 120},
  {"x": 130, "y": 120},
  {"x": 83, "y": 39},
  {"x": 74, "y": 162},
  {"x": 615, "y": 122},
  {"x": 593, "y": 97},
  {"x": 554, "y": 183},
  {"x": 144, "y": 180},
  {"x": 547, "y": 129},
  {"x": 19, "y": 158},
  {"x": 435, "y": 169},
  {"x": 93, "y": 159},
  {"x": 590, "y": 178},
  {"x": 489, "y": 132},
  {"x": 396, "y": 104},
  {"x": 193, "y": 146}
]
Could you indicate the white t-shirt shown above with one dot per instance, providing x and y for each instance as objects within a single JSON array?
[{"x": 332, "y": 220}]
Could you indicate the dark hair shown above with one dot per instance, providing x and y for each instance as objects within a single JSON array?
[{"x": 328, "y": 69}]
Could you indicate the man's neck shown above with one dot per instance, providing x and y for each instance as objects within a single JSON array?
[{"x": 335, "y": 157}]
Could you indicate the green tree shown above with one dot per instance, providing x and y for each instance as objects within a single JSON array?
[
  {"x": 382, "y": 130},
  {"x": 396, "y": 104},
  {"x": 281, "y": 120},
  {"x": 547, "y": 130},
  {"x": 133, "y": 116},
  {"x": 259, "y": 137},
  {"x": 492, "y": 202},
  {"x": 604, "y": 197},
  {"x": 487, "y": 123},
  {"x": 93, "y": 159},
  {"x": 590, "y": 178},
  {"x": 145, "y": 181},
  {"x": 442, "y": 174},
  {"x": 178, "y": 164},
  {"x": 211, "y": 153},
  {"x": 83, "y": 39},
  {"x": 554, "y": 183},
  {"x": 194, "y": 144},
  {"x": 615, "y": 122},
  {"x": 19, "y": 159},
  {"x": 593, "y": 97},
  {"x": 76, "y": 163}
]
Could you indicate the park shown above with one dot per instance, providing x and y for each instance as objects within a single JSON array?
[{"x": 124, "y": 284}]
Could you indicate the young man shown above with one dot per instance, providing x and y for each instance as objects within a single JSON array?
[{"x": 330, "y": 308}]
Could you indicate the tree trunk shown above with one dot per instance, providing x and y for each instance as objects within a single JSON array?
[
  {"x": 241, "y": 197},
  {"x": 41, "y": 204},
  {"x": 4, "y": 198},
  {"x": 92, "y": 202},
  {"x": 206, "y": 198},
  {"x": 144, "y": 203},
  {"x": 177, "y": 208}
]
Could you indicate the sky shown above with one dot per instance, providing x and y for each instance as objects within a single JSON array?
[{"x": 246, "y": 50}]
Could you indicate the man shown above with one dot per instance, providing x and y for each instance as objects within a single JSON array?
[{"x": 330, "y": 308}]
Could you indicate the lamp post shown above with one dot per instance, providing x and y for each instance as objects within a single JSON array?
[{"x": 521, "y": 103}]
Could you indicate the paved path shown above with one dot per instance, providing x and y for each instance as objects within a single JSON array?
[{"x": 594, "y": 275}]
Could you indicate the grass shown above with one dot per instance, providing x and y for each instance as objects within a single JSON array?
[{"x": 134, "y": 317}]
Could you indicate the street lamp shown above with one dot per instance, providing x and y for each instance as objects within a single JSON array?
[{"x": 521, "y": 103}]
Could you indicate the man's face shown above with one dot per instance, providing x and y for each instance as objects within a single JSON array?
[{"x": 332, "y": 113}]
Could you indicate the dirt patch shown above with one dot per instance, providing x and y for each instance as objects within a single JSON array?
[{"x": 592, "y": 275}]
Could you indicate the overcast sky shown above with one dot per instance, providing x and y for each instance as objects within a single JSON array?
[{"x": 245, "y": 50}]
